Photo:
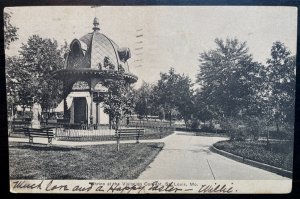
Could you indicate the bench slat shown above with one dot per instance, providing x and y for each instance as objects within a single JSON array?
[
  {"x": 132, "y": 132},
  {"x": 131, "y": 129},
  {"x": 38, "y": 133},
  {"x": 42, "y": 136},
  {"x": 42, "y": 129},
  {"x": 129, "y": 132},
  {"x": 44, "y": 132}
]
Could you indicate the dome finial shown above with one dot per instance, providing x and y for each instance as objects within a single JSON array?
[{"x": 96, "y": 24}]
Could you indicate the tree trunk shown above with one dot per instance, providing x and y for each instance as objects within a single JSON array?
[
  {"x": 186, "y": 123},
  {"x": 277, "y": 127},
  {"x": 117, "y": 124},
  {"x": 109, "y": 118},
  {"x": 210, "y": 124},
  {"x": 12, "y": 110},
  {"x": 48, "y": 115},
  {"x": 170, "y": 118},
  {"x": 23, "y": 113}
]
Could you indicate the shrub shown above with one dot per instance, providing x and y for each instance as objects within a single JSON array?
[
  {"x": 254, "y": 126},
  {"x": 234, "y": 127},
  {"x": 207, "y": 128},
  {"x": 195, "y": 124}
]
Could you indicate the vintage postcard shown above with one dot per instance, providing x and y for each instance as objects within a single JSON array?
[{"x": 150, "y": 99}]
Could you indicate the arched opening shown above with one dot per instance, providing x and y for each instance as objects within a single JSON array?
[
  {"x": 76, "y": 55},
  {"x": 76, "y": 48}
]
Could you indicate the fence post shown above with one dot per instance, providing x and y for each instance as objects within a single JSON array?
[
  {"x": 160, "y": 132},
  {"x": 55, "y": 132},
  {"x": 118, "y": 143},
  {"x": 138, "y": 135},
  {"x": 118, "y": 140}
]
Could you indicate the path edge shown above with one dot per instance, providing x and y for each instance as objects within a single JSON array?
[{"x": 253, "y": 163}]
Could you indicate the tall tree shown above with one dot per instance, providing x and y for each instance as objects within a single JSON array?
[
  {"x": 10, "y": 31},
  {"x": 203, "y": 110},
  {"x": 281, "y": 73},
  {"x": 231, "y": 83},
  {"x": 174, "y": 93},
  {"x": 185, "y": 98},
  {"x": 144, "y": 103},
  {"x": 119, "y": 102},
  {"x": 41, "y": 57},
  {"x": 10, "y": 35},
  {"x": 227, "y": 76},
  {"x": 18, "y": 83}
]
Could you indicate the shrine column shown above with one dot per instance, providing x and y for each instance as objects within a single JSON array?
[
  {"x": 65, "y": 108},
  {"x": 66, "y": 111},
  {"x": 97, "y": 113},
  {"x": 91, "y": 109}
]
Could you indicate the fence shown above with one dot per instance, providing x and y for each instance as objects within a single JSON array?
[
  {"x": 85, "y": 132},
  {"x": 153, "y": 129}
]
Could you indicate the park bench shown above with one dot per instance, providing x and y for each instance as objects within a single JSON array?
[
  {"x": 127, "y": 133},
  {"x": 16, "y": 128},
  {"x": 42, "y": 132}
]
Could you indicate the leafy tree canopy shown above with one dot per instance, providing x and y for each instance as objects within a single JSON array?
[
  {"x": 227, "y": 75},
  {"x": 31, "y": 72},
  {"x": 10, "y": 31}
]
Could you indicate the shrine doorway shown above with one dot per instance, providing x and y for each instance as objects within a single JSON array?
[{"x": 80, "y": 110}]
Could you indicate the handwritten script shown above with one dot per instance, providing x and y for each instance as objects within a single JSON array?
[{"x": 61, "y": 186}]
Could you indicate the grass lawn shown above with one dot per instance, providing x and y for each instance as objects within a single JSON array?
[
  {"x": 39, "y": 161},
  {"x": 278, "y": 154}
]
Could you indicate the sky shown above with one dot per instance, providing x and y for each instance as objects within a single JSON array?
[{"x": 171, "y": 36}]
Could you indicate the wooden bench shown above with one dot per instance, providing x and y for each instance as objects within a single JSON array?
[
  {"x": 42, "y": 132},
  {"x": 17, "y": 127},
  {"x": 130, "y": 132}
]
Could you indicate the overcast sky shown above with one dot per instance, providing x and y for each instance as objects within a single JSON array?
[{"x": 172, "y": 36}]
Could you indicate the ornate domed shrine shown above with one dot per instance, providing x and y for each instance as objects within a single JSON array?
[{"x": 92, "y": 61}]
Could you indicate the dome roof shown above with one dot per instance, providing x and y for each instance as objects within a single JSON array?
[
  {"x": 95, "y": 56},
  {"x": 96, "y": 51},
  {"x": 98, "y": 47}
]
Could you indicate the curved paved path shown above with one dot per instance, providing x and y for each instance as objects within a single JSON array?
[{"x": 187, "y": 157}]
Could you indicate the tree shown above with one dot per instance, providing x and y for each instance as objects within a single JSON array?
[
  {"x": 203, "y": 109},
  {"x": 119, "y": 103},
  {"x": 10, "y": 35},
  {"x": 10, "y": 31},
  {"x": 41, "y": 57},
  {"x": 144, "y": 100},
  {"x": 185, "y": 99},
  {"x": 281, "y": 84},
  {"x": 227, "y": 76},
  {"x": 174, "y": 93},
  {"x": 18, "y": 83},
  {"x": 231, "y": 85}
]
